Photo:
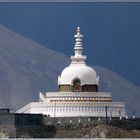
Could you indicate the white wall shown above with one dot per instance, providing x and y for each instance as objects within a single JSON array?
[{"x": 72, "y": 111}]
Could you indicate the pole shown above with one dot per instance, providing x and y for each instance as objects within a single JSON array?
[
  {"x": 54, "y": 111},
  {"x": 106, "y": 113},
  {"x": 133, "y": 114}
]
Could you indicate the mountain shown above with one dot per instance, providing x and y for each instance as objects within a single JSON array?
[
  {"x": 26, "y": 68},
  {"x": 121, "y": 89}
]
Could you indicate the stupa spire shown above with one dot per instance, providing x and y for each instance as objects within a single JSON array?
[{"x": 78, "y": 48}]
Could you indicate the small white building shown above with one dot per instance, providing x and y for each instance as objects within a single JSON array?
[{"x": 78, "y": 94}]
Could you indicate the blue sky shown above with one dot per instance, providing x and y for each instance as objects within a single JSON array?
[{"x": 111, "y": 30}]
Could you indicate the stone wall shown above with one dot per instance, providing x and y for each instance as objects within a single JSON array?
[{"x": 24, "y": 125}]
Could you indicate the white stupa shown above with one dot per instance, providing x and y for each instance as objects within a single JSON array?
[{"x": 78, "y": 94}]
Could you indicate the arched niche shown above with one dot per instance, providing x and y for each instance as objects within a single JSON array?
[{"x": 76, "y": 85}]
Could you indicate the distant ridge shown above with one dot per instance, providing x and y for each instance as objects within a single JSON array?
[
  {"x": 121, "y": 89},
  {"x": 26, "y": 68}
]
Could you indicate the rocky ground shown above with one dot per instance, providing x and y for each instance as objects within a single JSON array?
[
  {"x": 95, "y": 131},
  {"x": 116, "y": 129},
  {"x": 27, "y": 132},
  {"x": 7, "y": 132}
]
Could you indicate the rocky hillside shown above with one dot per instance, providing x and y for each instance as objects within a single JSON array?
[
  {"x": 121, "y": 89},
  {"x": 26, "y": 68},
  {"x": 96, "y": 130}
]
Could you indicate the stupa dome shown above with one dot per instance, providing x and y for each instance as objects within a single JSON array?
[
  {"x": 85, "y": 74},
  {"x": 78, "y": 74}
]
